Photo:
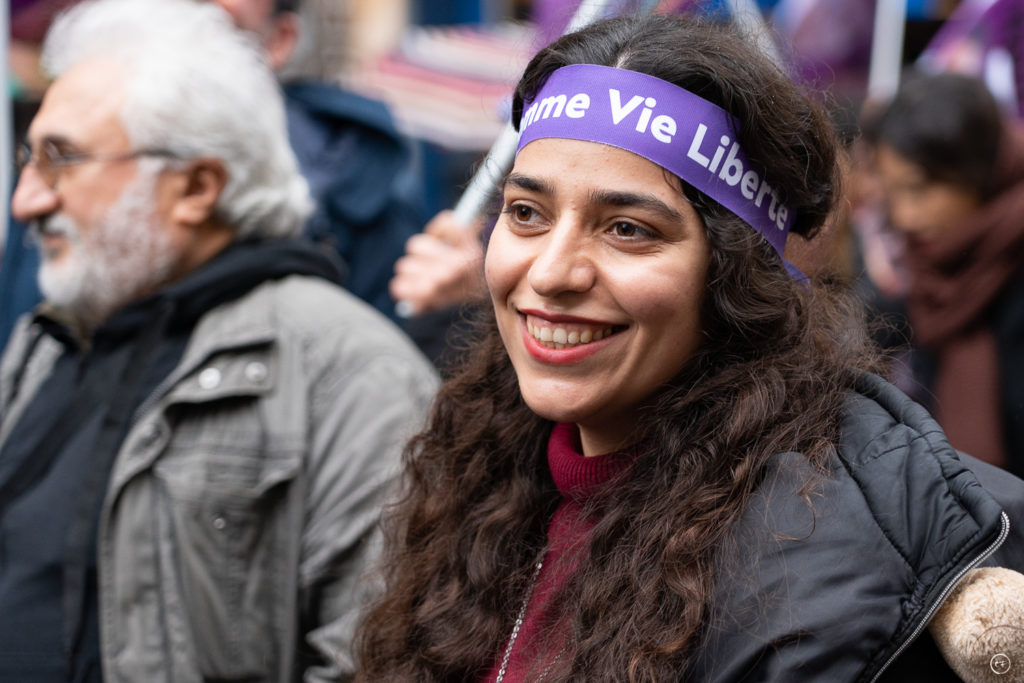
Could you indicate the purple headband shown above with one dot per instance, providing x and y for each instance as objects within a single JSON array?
[{"x": 677, "y": 130}]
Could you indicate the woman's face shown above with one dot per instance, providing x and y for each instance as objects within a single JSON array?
[
  {"x": 597, "y": 270},
  {"x": 920, "y": 207}
]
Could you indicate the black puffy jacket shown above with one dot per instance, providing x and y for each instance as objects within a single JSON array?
[{"x": 834, "y": 576}]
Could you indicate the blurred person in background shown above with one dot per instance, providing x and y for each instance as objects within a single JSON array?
[
  {"x": 29, "y": 20},
  {"x": 951, "y": 164},
  {"x": 359, "y": 167},
  {"x": 439, "y": 280},
  {"x": 198, "y": 427}
]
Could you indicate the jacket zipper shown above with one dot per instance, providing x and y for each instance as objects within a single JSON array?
[
  {"x": 945, "y": 594},
  {"x": 151, "y": 401}
]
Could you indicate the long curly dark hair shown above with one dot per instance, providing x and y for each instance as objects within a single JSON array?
[{"x": 776, "y": 360}]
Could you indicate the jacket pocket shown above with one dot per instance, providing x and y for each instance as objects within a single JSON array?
[{"x": 226, "y": 497}]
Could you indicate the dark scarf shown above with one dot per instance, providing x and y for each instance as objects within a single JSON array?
[{"x": 955, "y": 280}]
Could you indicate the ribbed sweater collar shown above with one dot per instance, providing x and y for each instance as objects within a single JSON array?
[{"x": 576, "y": 476}]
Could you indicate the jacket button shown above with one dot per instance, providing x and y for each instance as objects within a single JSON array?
[
  {"x": 209, "y": 378},
  {"x": 150, "y": 433},
  {"x": 219, "y": 523},
  {"x": 255, "y": 372}
]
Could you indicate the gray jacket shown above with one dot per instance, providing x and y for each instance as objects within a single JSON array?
[{"x": 242, "y": 507}]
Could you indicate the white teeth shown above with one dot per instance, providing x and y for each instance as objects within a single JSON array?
[{"x": 562, "y": 338}]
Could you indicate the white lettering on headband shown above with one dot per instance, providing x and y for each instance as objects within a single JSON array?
[{"x": 677, "y": 130}]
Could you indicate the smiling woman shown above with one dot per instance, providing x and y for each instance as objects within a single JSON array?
[
  {"x": 595, "y": 242},
  {"x": 665, "y": 456}
]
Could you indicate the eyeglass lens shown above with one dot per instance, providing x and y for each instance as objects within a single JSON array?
[{"x": 47, "y": 160}]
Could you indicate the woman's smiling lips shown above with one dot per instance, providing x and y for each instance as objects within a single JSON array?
[{"x": 562, "y": 339}]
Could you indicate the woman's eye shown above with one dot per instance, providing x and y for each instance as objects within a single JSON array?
[
  {"x": 625, "y": 229},
  {"x": 521, "y": 212}
]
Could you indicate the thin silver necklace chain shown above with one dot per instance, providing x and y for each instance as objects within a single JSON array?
[{"x": 518, "y": 624}]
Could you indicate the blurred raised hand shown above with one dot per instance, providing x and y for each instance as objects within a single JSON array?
[{"x": 442, "y": 267}]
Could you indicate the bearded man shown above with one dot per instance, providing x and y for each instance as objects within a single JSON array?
[{"x": 198, "y": 427}]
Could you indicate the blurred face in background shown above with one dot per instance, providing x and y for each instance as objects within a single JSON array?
[
  {"x": 277, "y": 33},
  {"x": 920, "y": 207},
  {"x": 250, "y": 15}
]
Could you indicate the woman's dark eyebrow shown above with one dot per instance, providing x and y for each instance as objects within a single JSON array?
[
  {"x": 606, "y": 197},
  {"x": 529, "y": 183},
  {"x": 642, "y": 201}
]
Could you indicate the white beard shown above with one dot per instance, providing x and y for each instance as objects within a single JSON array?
[{"x": 123, "y": 256}]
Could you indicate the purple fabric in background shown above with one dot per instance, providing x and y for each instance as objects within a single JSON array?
[
  {"x": 552, "y": 17},
  {"x": 968, "y": 39},
  {"x": 675, "y": 129},
  {"x": 18, "y": 5},
  {"x": 31, "y": 18}
]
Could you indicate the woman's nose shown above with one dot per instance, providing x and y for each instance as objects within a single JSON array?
[{"x": 563, "y": 264}]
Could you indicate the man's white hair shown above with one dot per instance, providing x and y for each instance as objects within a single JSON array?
[{"x": 198, "y": 87}]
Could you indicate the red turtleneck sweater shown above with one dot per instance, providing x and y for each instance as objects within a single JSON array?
[{"x": 577, "y": 478}]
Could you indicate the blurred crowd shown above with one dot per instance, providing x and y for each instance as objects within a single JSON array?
[
  {"x": 945, "y": 308},
  {"x": 380, "y": 214}
]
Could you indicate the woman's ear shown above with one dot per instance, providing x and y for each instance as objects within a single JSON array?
[{"x": 199, "y": 188}]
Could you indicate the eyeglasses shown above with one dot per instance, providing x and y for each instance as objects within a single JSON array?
[{"x": 49, "y": 159}]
